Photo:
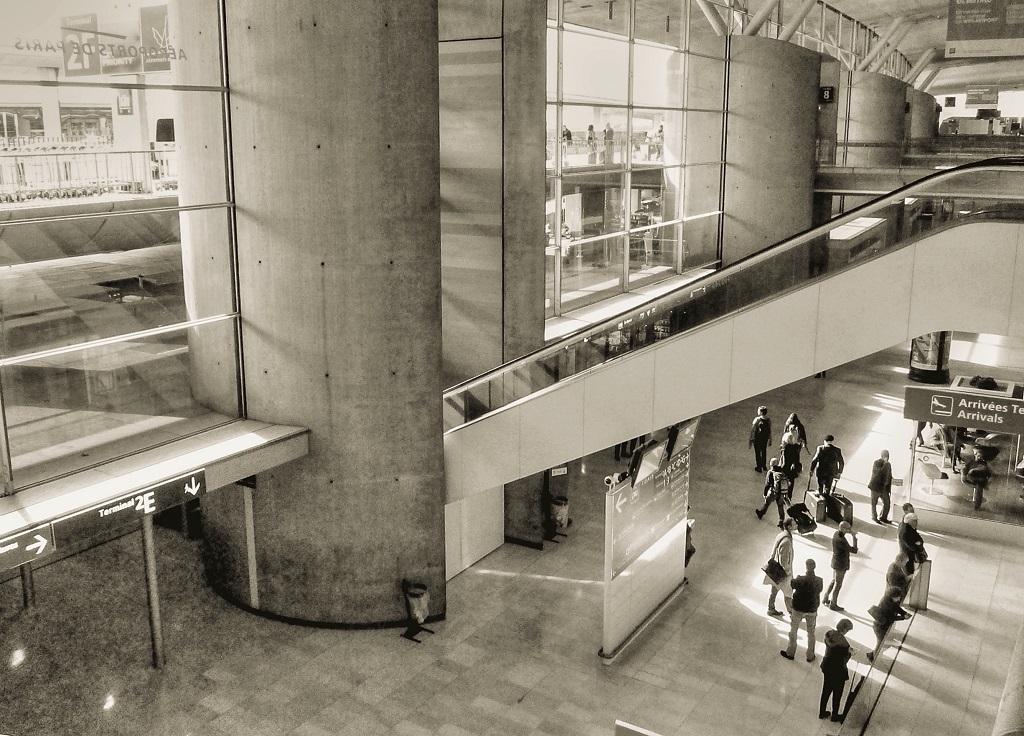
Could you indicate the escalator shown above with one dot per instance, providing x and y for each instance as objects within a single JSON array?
[{"x": 938, "y": 254}]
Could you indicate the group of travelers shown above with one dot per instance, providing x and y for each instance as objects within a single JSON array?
[{"x": 804, "y": 594}]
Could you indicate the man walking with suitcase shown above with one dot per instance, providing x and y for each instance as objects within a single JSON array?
[{"x": 827, "y": 465}]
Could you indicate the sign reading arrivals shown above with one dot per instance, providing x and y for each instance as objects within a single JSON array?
[
  {"x": 961, "y": 409},
  {"x": 985, "y": 28}
]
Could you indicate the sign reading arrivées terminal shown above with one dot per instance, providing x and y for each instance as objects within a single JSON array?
[{"x": 1001, "y": 414}]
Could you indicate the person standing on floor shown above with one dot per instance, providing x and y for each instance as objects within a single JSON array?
[
  {"x": 834, "y": 669},
  {"x": 783, "y": 554},
  {"x": 884, "y": 614},
  {"x": 794, "y": 440},
  {"x": 760, "y": 438},
  {"x": 880, "y": 485},
  {"x": 841, "y": 551},
  {"x": 827, "y": 464},
  {"x": 897, "y": 575},
  {"x": 910, "y": 541},
  {"x": 804, "y": 607},
  {"x": 776, "y": 488}
]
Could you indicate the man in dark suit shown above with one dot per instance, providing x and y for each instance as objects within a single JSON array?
[
  {"x": 880, "y": 486},
  {"x": 760, "y": 438},
  {"x": 827, "y": 464}
]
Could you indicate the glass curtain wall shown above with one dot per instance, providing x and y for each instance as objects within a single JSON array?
[
  {"x": 118, "y": 307},
  {"x": 618, "y": 150}
]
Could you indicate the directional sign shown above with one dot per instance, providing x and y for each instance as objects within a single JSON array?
[
  {"x": 26, "y": 547},
  {"x": 129, "y": 509},
  {"x": 642, "y": 513},
  {"x": 1001, "y": 414}
]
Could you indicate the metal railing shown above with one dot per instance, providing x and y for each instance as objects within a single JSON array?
[
  {"x": 60, "y": 173},
  {"x": 986, "y": 190}
]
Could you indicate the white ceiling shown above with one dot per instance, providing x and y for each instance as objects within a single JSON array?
[{"x": 928, "y": 30}]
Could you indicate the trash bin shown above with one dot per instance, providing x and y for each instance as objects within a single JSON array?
[
  {"x": 418, "y": 599},
  {"x": 560, "y": 511}
]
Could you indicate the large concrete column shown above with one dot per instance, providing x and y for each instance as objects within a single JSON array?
[
  {"x": 335, "y": 128},
  {"x": 772, "y": 126},
  {"x": 924, "y": 116},
  {"x": 871, "y": 119}
]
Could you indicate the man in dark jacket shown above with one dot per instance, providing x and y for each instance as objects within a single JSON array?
[
  {"x": 805, "y": 602},
  {"x": 776, "y": 488},
  {"x": 841, "y": 550},
  {"x": 911, "y": 543},
  {"x": 760, "y": 438},
  {"x": 880, "y": 485},
  {"x": 827, "y": 464},
  {"x": 833, "y": 667}
]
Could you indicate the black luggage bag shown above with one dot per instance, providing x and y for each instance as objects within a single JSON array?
[
  {"x": 805, "y": 523},
  {"x": 839, "y": 508}
]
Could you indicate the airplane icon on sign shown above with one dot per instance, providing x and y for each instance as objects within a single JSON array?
[{"x": 942, "y": 406}]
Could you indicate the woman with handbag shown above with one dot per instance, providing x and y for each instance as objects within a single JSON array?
[{"x": 780, "y": 573}]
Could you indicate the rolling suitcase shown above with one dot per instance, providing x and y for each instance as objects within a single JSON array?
[
  {"x": 840, "y": 508},
  {"x": 815, "y": 504}
]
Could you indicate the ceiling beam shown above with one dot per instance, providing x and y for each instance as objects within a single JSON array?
[
  {"x": 794, "y": 23},
  {"x": 881, "y": 44}
]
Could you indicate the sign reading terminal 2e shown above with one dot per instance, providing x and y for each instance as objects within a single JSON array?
[{"x": 960, "y": 409}]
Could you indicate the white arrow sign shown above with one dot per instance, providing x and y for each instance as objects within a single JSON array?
[
  {"x": 192, "y": 487},
  {"x": 39, "y": 545},
  {"x": 618, "y": 504}
]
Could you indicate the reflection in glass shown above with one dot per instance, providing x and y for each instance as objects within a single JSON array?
[
  {"x": 72, "y": 281},
  {"x": 603, "y": 15},
  {"x": 592, "y": 204},
  {"x": 661, "y": 21},
  {"x": 703, "y": 38},
  {"x": 652, "y": 253},
  {"x": 703, "y": 137},
  {"x": 705, "y": 88},
  {"x": 657, "y": 76},
  {"x": 657, "y": 137},
  {"x": 598, "y": 136},
  {"x": 591, "y": 271},
  {"x": 77, "y": 408}
]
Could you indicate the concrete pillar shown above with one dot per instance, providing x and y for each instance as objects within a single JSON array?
[
  {"x": 770, "y": 149},
  {"x": 924, "y": 115},
  {"x": 871, "y": 119},
  {"x": 335, "y": 128}
]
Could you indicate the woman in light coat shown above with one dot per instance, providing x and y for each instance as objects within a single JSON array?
[{"x": 783, "y": 553}]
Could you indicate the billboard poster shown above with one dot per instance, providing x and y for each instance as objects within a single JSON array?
[
  {"x": 985, "y": 28},
  {"x": 94, "y": 45},
  {"x": 155, "y": 36},
  {"x": 982, "y": 97}
]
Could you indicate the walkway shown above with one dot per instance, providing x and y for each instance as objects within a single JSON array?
[{"x": 518, "y": 652}]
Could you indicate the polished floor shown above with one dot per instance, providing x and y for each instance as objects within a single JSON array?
[{"x": 518, "y": 651}]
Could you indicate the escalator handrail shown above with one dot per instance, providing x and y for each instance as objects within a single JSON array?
[{"x": 1009, "y": 163}]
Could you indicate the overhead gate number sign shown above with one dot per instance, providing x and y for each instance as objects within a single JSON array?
[{"x": 130, "y": 508}]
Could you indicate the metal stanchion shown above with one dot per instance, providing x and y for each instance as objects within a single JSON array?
[
  {"x": 28, "y": 590},
  {"x": 152, "y": 593}
]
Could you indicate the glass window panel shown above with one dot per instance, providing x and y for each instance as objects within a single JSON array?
[
  {"x": 85, "y": 153},
  {"x": 595, "y": 69},
  {"x": 657, "y": 76},
  {"x": 604, "y": 15},
  {"x": 701, "y": 190},
  {"x": 703, "y": 137},
  {"x": 702, "y": 38},
  {"x": 652, "y": 254},
  {"x": 552, "y": 64},
  {"x": 550, "y": 249},
  {"x": 79, "y": 408},
  {"x": 657, "y": 137},
  {"x": 171, "y": 42},
  {"x": 70, "y": 281},
  {"x": 552, "y": 138},
  {"x": 661, "y": 21},
  {"x": 699, "y": 242},
  {"x": 705, "y": 83},
  {"x": 654, "y": 196},
  {"x": 591, "y": 271},
  {"x": 598, "y": 136},
  {"x": 592, "y": 204},
  {"x": 552, "y": 9}
]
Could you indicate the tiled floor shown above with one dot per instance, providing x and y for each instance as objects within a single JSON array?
[{"x": 518, "y": 651}]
